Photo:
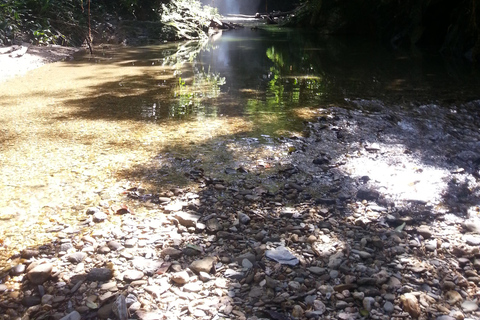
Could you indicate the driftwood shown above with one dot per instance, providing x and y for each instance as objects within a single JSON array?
[
  {"x": 271, "y": 18},
  {"x": 223, "y": 25}
]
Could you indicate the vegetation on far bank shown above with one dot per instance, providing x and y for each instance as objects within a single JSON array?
[
  {"x": 452, "y": 27},
  {"x": 71, "y": 22}
]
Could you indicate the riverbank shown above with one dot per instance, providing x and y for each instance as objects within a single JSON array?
[
  {"x": 19, "y": 59},
  {"x": 373, "y": 213}
]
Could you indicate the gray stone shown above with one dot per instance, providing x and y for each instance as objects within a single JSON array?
[
  {"x": 282, "y": 256},
  {"x": 31, "y": 301},
  {"x": 40, "y": 273},
  {"x": 106, "y": 311},
  {"x": 74, "y": 315},
  {"x": 243, "y": 218},
  {"x": 469, "y": 306},
  {"x": 368, "y": 303},
  {"x": 100, "y": 274},
  {"x": 247, "y": 264},
  {"x": 388, "y": 307},
  {"x": 114, "y": 245},
  {"x": 172, "y": 252},
  {"x": 249, "y": 255},
  {"x": 472, "y": 239},
  {"x": 472, "y": 225},
  {"x": 367, "y": 194},
  {"x": 340, "y": 305},
  {"x": 317, "y": 270},
  {"x": 132, "y": 275},
  {"x": 76, "y": 257}
]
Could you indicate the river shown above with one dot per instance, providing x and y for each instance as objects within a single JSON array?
[{"x": 78, "y": 133}]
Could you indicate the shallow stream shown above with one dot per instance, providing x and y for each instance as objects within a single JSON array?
[{"x": 78, "y": 133}]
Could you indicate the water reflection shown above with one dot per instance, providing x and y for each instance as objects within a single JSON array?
[{"x": 252, "y": 72}]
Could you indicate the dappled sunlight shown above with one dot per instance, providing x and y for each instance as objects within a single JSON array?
[{"x": 402, "y": 175}]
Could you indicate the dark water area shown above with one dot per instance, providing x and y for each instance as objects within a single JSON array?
[
  {"x": 287, "y": 68},
  {"x": 272, "y": 72}
]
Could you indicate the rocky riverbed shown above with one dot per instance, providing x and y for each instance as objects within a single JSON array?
[{"x": 372, "y": 214}]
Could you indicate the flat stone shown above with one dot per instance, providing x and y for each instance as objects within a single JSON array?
[
  {"x": 282, "y": 256},
  {"x": 367, "y": 194},
  {"x": 132, "y": 275},
  {"x": 317, "y": 270},
  {"x": 193, "y": 287},
  {"x": 74, "y": 315},
  {"x": 172, "y": 252},
  {"x": 469, "y": 306},
  {"x": 471, "y": 239},
  {"x": 205, "y": 265},
  {"x": 186, "y": 219},
  {"x": 233, "y": 274}
]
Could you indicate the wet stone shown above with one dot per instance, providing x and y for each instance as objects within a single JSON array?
[{"x": 18, "y": 269}]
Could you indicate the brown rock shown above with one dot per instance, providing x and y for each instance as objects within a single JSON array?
[
  {"x": 40, "y": 273},
  {"x": 410, "y": 305}
]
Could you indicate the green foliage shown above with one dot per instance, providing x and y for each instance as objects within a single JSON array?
[
  {"x": 39, "y": 20},
  {"x": 65, "y": 21}
]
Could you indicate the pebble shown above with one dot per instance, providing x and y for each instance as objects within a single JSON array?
[
  {"x": 252, "y": 249},
  {"x": 74, "y": 315},
  {"x": 100, "y": 274},
  {"x": 469, "y": 306},
  {"x": 181, "y": 277},
  {"x": 40, "y": 273},
  {"x": 132, "y": 275},
  {"x": 205, "y": 265}
]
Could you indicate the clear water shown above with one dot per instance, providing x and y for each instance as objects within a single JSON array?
[{"x": 77, "y": 132}]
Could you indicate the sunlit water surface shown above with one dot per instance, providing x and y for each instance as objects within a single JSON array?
[{"x": 77, "y": 132}]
